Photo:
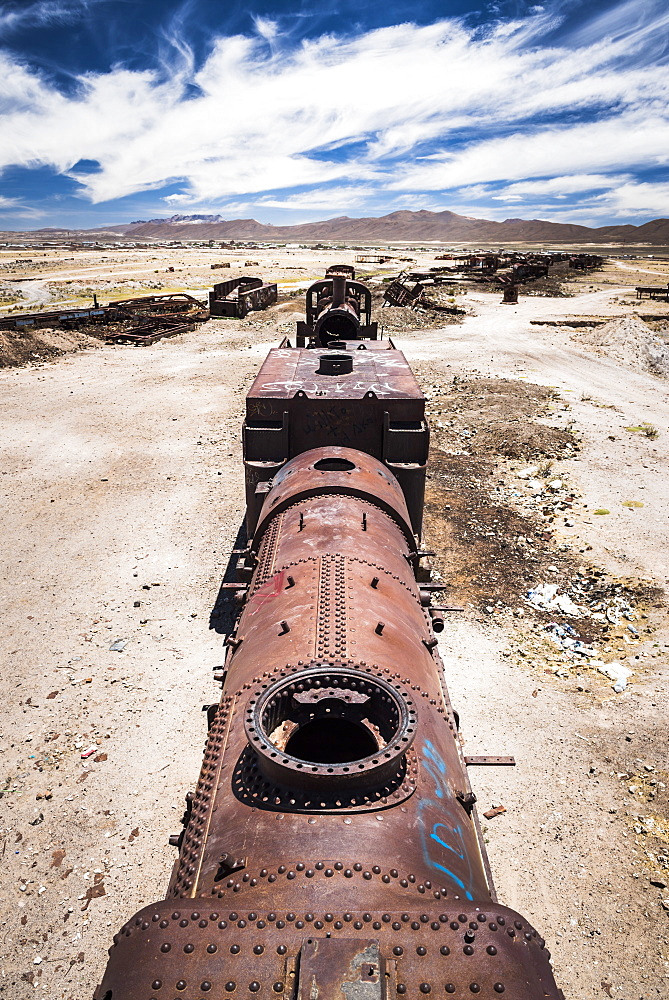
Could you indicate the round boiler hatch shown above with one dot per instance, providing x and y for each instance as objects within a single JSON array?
[{"x": 330, "y": 726}]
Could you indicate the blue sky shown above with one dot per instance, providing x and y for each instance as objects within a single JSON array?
[{"x": 115, "y": 110}]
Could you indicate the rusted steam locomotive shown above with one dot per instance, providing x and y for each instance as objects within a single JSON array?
[{"x": 331, "y": 850}]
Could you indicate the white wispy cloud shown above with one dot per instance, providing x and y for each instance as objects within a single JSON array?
[
  {"x": 636, "y": 22},
  {"x": 42, "y": 12},
  {"x": 18, "y": 208},
  {"x": 631, "y": 199},
  {"x": 556, "y": 187},
  {"x": 628, "y": 200},
  {"x": 330, "y": 199},
  {"x": 626, "y": 140},
  {"x": 499, "y": 107}
]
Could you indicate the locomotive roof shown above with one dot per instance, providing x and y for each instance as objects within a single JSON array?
[{"x": 385, "y": 372}]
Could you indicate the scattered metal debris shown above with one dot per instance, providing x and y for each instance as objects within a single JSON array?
[
  {"x": 653, "y": 291},
  {"x": 495, "y": 811},
  {"x": 160, "y": 316},
  {"x": 508, "y": 269},
  {"x": 156, "y": 328}
]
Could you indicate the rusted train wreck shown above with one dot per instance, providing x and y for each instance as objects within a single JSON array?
[
  {"x": 338, "y": 308},
  {"x": 331, "y": 849},
  {"x": 239, "y": 296}
]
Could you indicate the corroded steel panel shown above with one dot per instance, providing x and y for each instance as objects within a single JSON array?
[{"x": 286, "y": 371}]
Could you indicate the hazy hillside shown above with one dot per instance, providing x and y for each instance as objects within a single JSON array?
[{"x": 410, "y": 226}]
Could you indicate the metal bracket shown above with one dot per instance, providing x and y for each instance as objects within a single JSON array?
[
  {"x": 227, "y": 864},
  {"x": 467, "y": 800},
  {"x": 220, "y": 673},
  {"x": 490, "y": 761},
  {"x": 211, "y": 711}
]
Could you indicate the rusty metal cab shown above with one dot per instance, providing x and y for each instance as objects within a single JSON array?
[
  {"x": 238, "y": 296},
  {"x": 359, "y": 395}
]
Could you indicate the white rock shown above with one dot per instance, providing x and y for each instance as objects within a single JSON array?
[
  {"x": 618, "y": 673},
  {"x": 555, "y": 484},
  {"x": 566, "y": 605},
  {"x": 528, "y": 473}
]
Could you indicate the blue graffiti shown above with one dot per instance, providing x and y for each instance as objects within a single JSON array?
[{"x": 449, "y": 837}]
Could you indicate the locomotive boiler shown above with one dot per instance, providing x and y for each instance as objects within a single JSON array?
[{"x": 331, "y": 850}]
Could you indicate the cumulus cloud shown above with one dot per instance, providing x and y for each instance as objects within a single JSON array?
[{"x": 415, "y": 110}]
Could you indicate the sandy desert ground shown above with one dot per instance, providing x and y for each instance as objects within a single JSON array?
[{"x": 121, "y": 494}]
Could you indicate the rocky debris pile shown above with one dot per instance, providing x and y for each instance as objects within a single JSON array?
[
  {"x": 601, "y": 604},
  {"x": 35, "y": 346},
  {"x": 489, "y": 417},
  {"x": 549, "y": 498},
  {"x": 596, "y": 601},
  {"x": 567, "y": 639},
  {"x": 546, "y": 597},
  {"x": 631, "y": 342},
  {"x": 404, "y": 319}
]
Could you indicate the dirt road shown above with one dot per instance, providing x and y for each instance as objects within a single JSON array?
[{"x": 121, "y": 497}]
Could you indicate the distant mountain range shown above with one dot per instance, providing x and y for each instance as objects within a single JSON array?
[{"x": 403, "y": 226}]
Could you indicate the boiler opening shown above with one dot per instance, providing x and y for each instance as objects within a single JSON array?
[
  {"x": 334, "y": 465},
  {"x": 331, "y": 741},
  {"x": 338, "y": 326},
  {"x": 330, "y": 722}
]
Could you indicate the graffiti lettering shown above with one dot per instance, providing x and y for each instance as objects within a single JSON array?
[{"x": 442, "y": 838}]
